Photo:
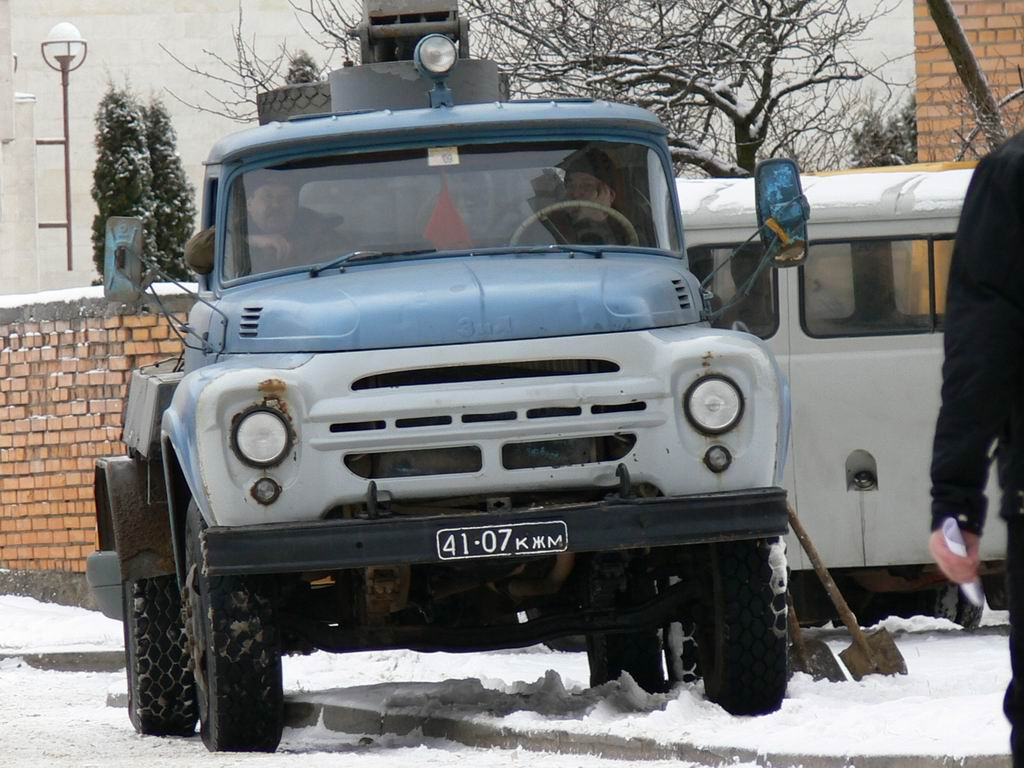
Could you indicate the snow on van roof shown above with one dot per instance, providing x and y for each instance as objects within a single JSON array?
[{"x": 876, "y": 195}]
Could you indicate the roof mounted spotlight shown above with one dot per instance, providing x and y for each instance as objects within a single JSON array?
[{"x": 435, "y": 57}]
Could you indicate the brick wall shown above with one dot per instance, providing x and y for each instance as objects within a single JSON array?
[
  {"x": 995, "y": 31},
  {"x": 64, "y": 367}
]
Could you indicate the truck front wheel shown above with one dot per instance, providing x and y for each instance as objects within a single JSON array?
[
  {"x": 741, "y": 629},
  {"x": 161, "y": 690},
  {"x": 236, "y": 653}
]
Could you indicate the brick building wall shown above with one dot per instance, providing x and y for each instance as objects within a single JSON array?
[
  {"x": 64, "y": 368},
  {"x": 995, "y": 31}
]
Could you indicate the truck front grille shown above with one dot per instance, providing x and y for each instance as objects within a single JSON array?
[
  {"x": 452, "y": 420},
  {"x": 459, "y": 374}
]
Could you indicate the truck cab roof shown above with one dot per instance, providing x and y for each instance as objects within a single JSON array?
[{"x": 548, "y": 117}]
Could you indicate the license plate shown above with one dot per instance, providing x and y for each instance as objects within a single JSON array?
[{"x": 502, "y": 540}]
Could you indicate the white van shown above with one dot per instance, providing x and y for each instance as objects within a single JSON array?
[{"x": 858, "y": 331}]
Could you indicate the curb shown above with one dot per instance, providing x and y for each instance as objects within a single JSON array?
[
  {"x": 367, "y": 719},
  {"x": 355, "y": 719},
  {"x": 83, "y": 661}
]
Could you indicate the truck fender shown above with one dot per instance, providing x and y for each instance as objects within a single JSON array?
[
  {"x": 179, "y": 496},
  {"x": 131, "y": 507}
]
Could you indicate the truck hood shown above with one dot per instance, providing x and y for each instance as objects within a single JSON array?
[{"x": 458, "y": 301}]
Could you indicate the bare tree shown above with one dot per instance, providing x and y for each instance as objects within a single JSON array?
[
  {"x": 236, "y": 78},
  {"x": 733, "y": 80}
]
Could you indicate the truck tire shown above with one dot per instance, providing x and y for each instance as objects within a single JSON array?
[
  {"x": 742, "y": 638},
  {"x": 638, "y": 652},
  {"x": 161, "y": 689},
  {"x": 681, "y": 659},
  {"x": 291, "y": 100},
  {"x": 236, "y": 653}
]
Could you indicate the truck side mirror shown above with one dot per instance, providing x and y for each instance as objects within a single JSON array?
[
  {"x": 123, "y": 270},
  {"x": 782, "y": 211},
  {"x": 199, "y": 251}
]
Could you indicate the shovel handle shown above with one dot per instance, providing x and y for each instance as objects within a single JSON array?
[
  {"x": 830, "y": 586},
  {"x": 794, "y": 629}
]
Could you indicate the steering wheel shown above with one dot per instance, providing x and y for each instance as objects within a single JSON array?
[{"x": 547, "y": 210}]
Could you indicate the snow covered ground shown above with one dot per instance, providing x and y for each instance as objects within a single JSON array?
[{"x": 948, "y": 704}]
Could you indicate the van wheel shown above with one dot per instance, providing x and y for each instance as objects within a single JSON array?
[
  {"x": 161, "y": 690},
  {"x": 948, "y": 602},
  {"x": 742, "y": 633},
  {"x": 236, "y": 653}
]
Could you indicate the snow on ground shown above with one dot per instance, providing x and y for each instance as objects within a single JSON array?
[
  {"x": 29, "y": 625},
  {"x": 948, "y": 704}
]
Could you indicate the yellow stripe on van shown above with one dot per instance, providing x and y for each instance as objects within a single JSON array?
[{"x": 912, "y": 168}]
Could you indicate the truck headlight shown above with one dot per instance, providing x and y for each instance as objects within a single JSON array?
[
  {"x": 261, "y": 438},
  {"x": 713, "y": 405}
]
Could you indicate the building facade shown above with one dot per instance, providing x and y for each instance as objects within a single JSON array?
[
  {"x": 995, "y": 30},
  {"x": 129, "y": 43}
]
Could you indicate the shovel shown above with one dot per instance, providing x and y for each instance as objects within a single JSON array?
[
  {"x": 811, "y": 657},
  {"x": 873, "y": 654}
]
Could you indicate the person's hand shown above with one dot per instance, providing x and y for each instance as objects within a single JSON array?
[
  {"x": 276, "y": 245},
  {"x": 959, "y": 570}
]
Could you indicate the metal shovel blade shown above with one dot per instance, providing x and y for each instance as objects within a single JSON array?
[
  {"x": 817, "y": 660},
  {"x": 883, "y": 658}
]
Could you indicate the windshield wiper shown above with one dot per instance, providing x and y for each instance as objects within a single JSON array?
[{"x": 341, "y": 261}]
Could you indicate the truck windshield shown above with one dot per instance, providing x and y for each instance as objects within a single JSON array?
[{"x": 448, "y": 198}]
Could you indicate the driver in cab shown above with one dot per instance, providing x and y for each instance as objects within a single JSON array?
[{"x": 280, "y": 233}]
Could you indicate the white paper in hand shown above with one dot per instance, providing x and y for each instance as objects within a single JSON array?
[{"x": 951, "y": 531}]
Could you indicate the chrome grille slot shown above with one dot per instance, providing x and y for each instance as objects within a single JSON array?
[
  {"x": 424, "y": 421},
  {"x": 249, "y": 324},
  {"x": 552, "y": 413},
  {"x": 357, "y": 426},
  {"x": 620, "y": 408},
  {"x": 477, "y": 418}
]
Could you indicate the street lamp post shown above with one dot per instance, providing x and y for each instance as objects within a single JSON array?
[{"x": 63, "y": 50}]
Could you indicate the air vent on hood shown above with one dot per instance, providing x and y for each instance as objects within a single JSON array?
[
  {"x": 682, "y": 293},
  {"x": 249, "y": 326},
  {"x": 460, "y": 374}
]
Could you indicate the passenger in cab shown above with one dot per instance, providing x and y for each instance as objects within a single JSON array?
[{"x": 590, "y": 181}]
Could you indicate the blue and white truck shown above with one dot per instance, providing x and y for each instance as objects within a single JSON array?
[{"x": 449, "y": 385}]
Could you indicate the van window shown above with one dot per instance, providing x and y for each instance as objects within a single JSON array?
[
  {"x": 943, "y": 250},
  {"x": 869, "y": 287},
  {"x": 758, "y": 313}
]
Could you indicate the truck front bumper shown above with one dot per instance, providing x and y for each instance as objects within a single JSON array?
[{"x": 612, "y": 524}]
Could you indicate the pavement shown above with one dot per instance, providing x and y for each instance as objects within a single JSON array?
[
  {"x": 375, "y": 711},
  {"x": 370, "y": 711}
]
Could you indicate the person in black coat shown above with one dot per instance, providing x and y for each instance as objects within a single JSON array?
[{"x": 983, "y": 392}]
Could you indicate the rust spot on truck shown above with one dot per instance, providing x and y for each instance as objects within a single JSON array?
[
  {"x": 706, "y": 360},
  {"x": 273, "y": 388},
  {"x": 273, "y": 395}
]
